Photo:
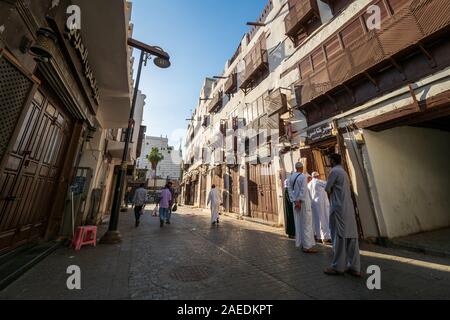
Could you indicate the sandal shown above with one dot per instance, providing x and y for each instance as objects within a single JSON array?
[
  {"x": 333, "y": 272},
  {"x": 310, "y": 251},
  {"x": 354, "y": 273}
]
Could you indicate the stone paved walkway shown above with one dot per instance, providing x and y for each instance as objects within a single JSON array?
[{"x": 238, "y": 260}]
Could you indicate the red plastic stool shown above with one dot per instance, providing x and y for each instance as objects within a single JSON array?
[{"x": 84, "y": 236}]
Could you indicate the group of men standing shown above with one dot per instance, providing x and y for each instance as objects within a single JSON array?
[{"x": 324, "y": 211}]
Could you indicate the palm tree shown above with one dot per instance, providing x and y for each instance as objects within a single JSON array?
[{"x": 155, "y": 157}]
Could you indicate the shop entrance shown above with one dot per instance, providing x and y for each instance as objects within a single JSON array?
[
  {"x": 203, "y": 194},
  {"x": 321, "y": 155},
  {"x": 31, "y": 171},
  {"x": 262, "y": 193},
  {"x": 234, "y": 190},
  {"x": 408, "y": 167}
]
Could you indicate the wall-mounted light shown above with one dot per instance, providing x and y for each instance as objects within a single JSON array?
[
  {"x": 46, "y": 38},
  {"x": 162, "y": 63},
  {"x": 25, "y": 44}
]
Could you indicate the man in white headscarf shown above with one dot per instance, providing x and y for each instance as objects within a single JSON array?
[
  {"x": 301, "y": 199},
  {"x": 214, "y": 201},
  {"x": 320, "y": 208}
]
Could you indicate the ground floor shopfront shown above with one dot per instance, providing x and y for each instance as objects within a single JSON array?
[
  {"x": 42, "y": 140},
  {"x": 396, "y": 152},
  {"x": 53, "y": 115},
  {"x": 246, "y": 190}
]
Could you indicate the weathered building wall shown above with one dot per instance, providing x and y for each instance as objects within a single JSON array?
[
  {"x": 412, "y": 178},
  {"x": 421, "y": 82}
]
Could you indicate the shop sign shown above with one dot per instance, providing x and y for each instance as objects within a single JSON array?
[
  {"x": 320, "y": 133},
  {"x": 74, "y": 37}
]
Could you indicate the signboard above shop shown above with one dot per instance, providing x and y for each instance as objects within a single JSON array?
[{"x": 320, "y": 133}]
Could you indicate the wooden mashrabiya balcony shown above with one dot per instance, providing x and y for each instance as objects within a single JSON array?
[
  {"x": 231, "y": 84},
  {"x": 300, "y": 12},
  {"x": 256, "y": 62},
  {"x": 412, "y": 23},
  {"x": 216, "y": 102}
]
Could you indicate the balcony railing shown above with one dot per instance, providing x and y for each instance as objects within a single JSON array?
[
  {"x": 256, "y": 61},
  {"x": 216, "y": 102},
  {"x": 413, "y": 23},
  {"x": 231, "y": 84},
  {"x": 300, "y": 12}
]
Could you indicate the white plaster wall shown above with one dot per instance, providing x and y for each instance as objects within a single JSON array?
[
  {"x": 166, "y": 168},
  {"x": 411, "y": 172},
  {"x": 138, "y": 118},
  {"x": 92, "y": 157}
]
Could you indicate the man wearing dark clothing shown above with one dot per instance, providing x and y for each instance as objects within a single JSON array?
[
  {"x": 140, "y": 196},
  {"x": 171, "y": 202},
  {"x": 288, "y": 213}
]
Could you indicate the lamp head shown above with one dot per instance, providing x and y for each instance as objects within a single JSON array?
[
  {"x": 162, "y": 63},
  {"x": 41, "y": 49}
]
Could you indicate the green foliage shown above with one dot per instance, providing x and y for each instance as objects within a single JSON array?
[{"x": 155, "y": 157}]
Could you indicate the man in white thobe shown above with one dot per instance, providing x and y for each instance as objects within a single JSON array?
[
  {"x": 344, "y": 230},
  {"x": 320, "y": 208},
  {"x": 301, "y": 199},
  {"x": 214, "y": 201}
]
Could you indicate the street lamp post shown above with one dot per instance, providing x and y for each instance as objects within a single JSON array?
[{"x": 162, "y": 60}]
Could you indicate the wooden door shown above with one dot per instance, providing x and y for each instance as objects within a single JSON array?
[
  {"x": 194, "y": 193},
  {"x": 187, "y": 195},
  {"x": 217, "y": 179},
  {"x": 203, "y": 192},
  {"x": 262, "y": 193},
  {"x": 31, "y": 172},
  {"x": 234, "y": 190}
]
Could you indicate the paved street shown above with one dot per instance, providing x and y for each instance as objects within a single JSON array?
[{"x": 238, "y": 260}]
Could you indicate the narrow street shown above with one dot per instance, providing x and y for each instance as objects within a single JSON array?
[{"x": 239, "y": 260}]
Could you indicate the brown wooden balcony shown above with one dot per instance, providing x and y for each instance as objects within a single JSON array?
[
  {"x": 406, "y": 28},
  {"x": 276, "y": 102},
  {"x": 300, "y": 12},
  {"x": 256, "y": 62},
  {"x": 216, "y": 102},
  {"x": 231, "y": 84}
]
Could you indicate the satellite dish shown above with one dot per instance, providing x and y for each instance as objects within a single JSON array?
[{"x": 162, "y": 63}]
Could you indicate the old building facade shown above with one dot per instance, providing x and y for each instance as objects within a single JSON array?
[
  {"x": 60, "y": 93},
  {"x": 367, "y": 79},
  {"x": 169, "y": 168}
]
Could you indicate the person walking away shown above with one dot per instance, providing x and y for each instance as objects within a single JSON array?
[
  {"x": 344, "y": 230},
  {"x": 214, "y": 201},
  {"x": 288, "y": 212},
  {"x": 171, "y": 203},
  {"x": 301, "y": 199},
  {"x": 320, "y": 208},
  {"x": 139, "y": 199},
  {"x": 164, "y": 203}
]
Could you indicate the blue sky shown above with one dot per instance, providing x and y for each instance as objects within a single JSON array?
[{"x": 200, "y": 35}]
